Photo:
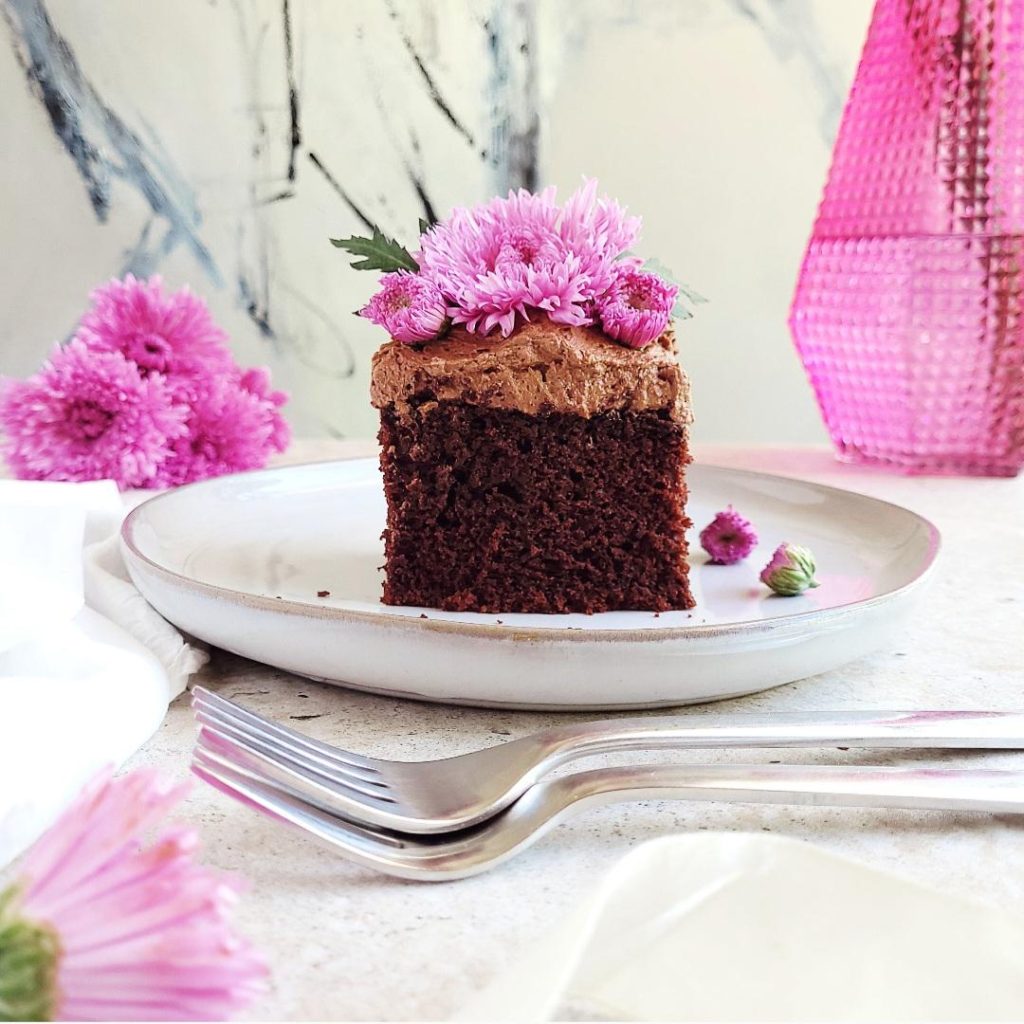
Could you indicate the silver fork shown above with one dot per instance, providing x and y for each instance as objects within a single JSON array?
[
  {"x": 456, "y": 792},
  {"x": 473, "y": 850}
]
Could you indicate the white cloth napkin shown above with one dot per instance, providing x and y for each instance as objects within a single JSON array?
[
  {"x": 734, "y": 927},
  {"x": 87, "y": 667}
]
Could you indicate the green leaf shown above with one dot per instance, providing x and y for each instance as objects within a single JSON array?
[
  {"x": 686, "y": 297},
  {"x": 378, "y": 252},
  {"x": 689, "y": 294},
  {"x": 425, "y": 226}
]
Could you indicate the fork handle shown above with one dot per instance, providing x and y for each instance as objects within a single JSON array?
[
  {"x": 958, "y": 789},
  {"x": 962, "y": 729}
]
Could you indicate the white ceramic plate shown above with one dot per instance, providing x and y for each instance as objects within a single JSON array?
[{"x": 239, "y": 561}]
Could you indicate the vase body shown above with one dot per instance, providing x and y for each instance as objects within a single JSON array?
[{"x": 909, "y": 311}]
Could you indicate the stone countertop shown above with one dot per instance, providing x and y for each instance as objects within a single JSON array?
[{"x": 345, "y": 943}]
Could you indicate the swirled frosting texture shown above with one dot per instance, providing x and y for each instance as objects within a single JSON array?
[{"x": 541, "y": 367}]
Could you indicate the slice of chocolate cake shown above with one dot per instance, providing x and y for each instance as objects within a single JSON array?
[
  {"x": 540, "y": 472},
  {"x": 533, "y": 416}
]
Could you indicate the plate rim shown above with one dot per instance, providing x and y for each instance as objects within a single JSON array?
[{"x": 510, "y": 631}]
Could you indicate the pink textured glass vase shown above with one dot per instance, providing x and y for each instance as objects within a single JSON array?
[{"x": 909, "y": 311}]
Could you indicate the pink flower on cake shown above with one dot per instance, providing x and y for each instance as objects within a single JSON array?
[
  {"x": 637, "y": 307},
  {"x": 169, "y": 334},
  {"x": 516, "y": 257},
  {"x": 498, "y": 262},
  {"x": 728, "y": 538},
  {"x": 232, "y": 427},
  {"x": 89, "y": 416},
  {"x": 598, "y": 230},
  {"x": 101, "y": 925},
  {"x": 409, "y": 307}
]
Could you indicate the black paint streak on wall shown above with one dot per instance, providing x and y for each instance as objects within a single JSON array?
[
  {"x": 791, "y": 33},
  {"x": 144, "y": 258},
  {"x": 259, "y": 313},
  {"x": 295, "y": 129},
  {"x": 308, "y": 339},
  {"x": 515, "y": 118},
  {"x": 89, "y": 130},
  {"x": 254, "y": 282},
  {"x": 253, "y": 278},
  {"x": 64, "y": 118},
  {"x": 429, "y": 212},
  {"x": 288, "y": 193},
  {"x": 746, "y": 11},
  {"x": 432, "y": 90},
  {"x": 345, "y": 197}
]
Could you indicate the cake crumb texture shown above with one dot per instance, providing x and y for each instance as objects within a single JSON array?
[{"x": 494, "y": 510}]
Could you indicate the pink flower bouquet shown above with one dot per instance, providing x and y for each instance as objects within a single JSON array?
[{"x": 146, "y": 394}]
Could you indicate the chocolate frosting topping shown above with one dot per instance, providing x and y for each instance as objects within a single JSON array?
[{"x": 540, "y": 367}]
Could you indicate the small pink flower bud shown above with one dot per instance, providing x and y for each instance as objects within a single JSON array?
[
  {"x": 791, "y": 570},
  {"x": 637, "y": 307},
  {"x": 728, "y": 538},
  {"x": 409, "y": 307}
]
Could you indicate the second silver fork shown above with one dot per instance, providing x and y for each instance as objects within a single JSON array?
[
  {"x": 429, "y": 797},
  {"x": 469, "y": 851}
]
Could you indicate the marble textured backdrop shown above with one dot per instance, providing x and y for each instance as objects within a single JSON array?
[{"x": 220, "y": 143}]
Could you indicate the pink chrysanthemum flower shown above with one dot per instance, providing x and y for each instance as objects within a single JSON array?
[
  {"x": 99, "y": 926},
  {"x": 147, "y": 394},
  {"x": 89, "y": 416},
  {"x": 498, "y": 262},
  {"x": 234, "y": 425},
  {"x": 409, "y": 307},
  {"x": 169, "y": 334},
  {"x": 257, "y": 381},
  {"x": 599, "y": 232},
  {"x": 728, "y": 538},
  {"x": 637, "y": 307}
]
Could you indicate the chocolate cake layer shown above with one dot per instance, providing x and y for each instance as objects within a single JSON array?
[{"x": 501, "y": 510}]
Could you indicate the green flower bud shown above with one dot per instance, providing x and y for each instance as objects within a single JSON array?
[{"x": 791, "y": 570}]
